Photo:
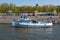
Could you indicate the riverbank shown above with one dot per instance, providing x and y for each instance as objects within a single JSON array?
[{"x": 9, "y": 19}]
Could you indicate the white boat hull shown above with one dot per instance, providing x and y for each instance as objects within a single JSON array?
[{"x": 32, "y": 24}]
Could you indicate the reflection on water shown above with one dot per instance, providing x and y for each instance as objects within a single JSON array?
[{"x": 12, "y": 33}]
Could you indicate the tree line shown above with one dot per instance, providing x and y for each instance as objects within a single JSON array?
[{"x": 4, "y": 8}]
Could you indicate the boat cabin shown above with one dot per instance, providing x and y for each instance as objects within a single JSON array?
[{"x": 28, "y": 21}]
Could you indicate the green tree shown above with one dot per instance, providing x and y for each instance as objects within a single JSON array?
[
  {"x": 51, "y": 8},
  {"x": 29, "y": 9},
  {"x": 58, "y": 9},
  {"x": 39, "y": 8},
  {"x": 4, "y": 8},
  {"x": 45, "y": 8},
  {"x": 22, "y": 9},
  {"x": 12, "y": 7}
]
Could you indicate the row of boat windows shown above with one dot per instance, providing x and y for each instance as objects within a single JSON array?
[{"x": 27, "y": 21}]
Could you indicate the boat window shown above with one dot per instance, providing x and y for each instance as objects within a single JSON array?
[
  {"x": 34, "y": 21},
  {"x": 27, "y": 21}
]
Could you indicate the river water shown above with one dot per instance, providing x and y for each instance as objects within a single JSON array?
[{"x": 7, "y": 32}]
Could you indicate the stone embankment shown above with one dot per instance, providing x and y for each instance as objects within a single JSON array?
[{"x": 9, "y": 19}]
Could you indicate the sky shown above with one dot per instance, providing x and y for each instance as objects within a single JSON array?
[{"x": 31, "y": 2}]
